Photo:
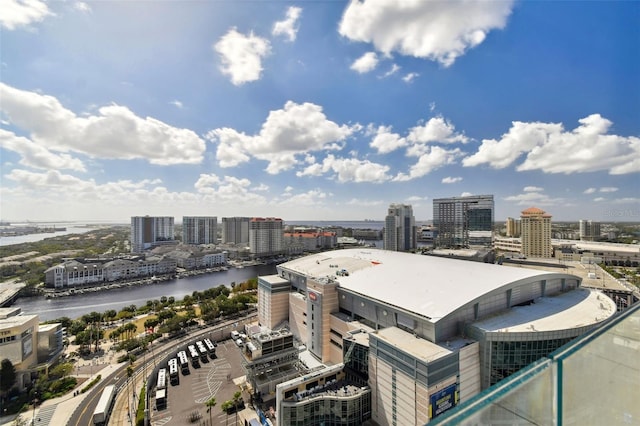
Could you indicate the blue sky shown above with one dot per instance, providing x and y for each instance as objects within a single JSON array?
[{"x": 323, "y": 110}]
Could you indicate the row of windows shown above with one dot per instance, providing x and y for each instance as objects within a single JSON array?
[{"x": 7, "y": 339}]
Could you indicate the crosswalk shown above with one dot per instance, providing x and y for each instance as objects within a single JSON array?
[{"x": 44, "y": 415}]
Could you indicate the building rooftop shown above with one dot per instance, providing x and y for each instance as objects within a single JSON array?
[
  {"x": 415, "y": 346},
  {"x": 429, "y": 286},
  {"x": 578, "y": 308}
]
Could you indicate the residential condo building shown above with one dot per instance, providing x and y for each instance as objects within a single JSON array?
[
  {"x": 198, "y": 230},
  {"x": 589, "y": 230},
  {"x": 266, "y": 236},
  {"x": 399, "y": 228},
  {"x": 150, "y": 231},
  {"x": 464, "y": 221},
  {"x": 235, "y": 230}
]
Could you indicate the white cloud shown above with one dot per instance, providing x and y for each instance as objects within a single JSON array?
[
  {"x": 293, "y": 131},
  {"x": 365, "y": 63},
  {"x": 22, "y": 13},
  {"x": 533, "y": 198},
  {"x": 533, "y": 189},
  {"x": 82, "y": 7},
  {"x": 176, "y": 103},
  {"x": 53, "y": 188},
  {"x": 436, "y": 30},
  {"x": 37, "y": 156},
  {"x": 589, "y": 191},
  {"x": 385, "y": 141},
  {"x": 349, "y": 170},
  {"x": 242, "y": 55},
  {"x": 608, "y": 189},
  {"x": 314, "y": 197},
  {"x": 437, "y": 129},
  {"x": 410, "y": 77},
  {"x": 450, "y": 179},
  {"x": 228, "y": 189},
  {"x": 114, "y": 132},
  {"x": 550, "y": 148},
  {"x": 288, "y": 27},
  {"x": 394, "y": 69},
  {"x": 599, "y": 199},
  {"x": 431, "y": 159},
  {"x": 466, "y": 194}
]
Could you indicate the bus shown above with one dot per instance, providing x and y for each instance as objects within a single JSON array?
[
  {"x": 210, "y": 347},
  {"x": 103, "y": 409},
  {"x": 202, "y": 350},
  {"x": 161, "y": 389},
  {"x": 194, "y": 355},
  {"x": 183, "y": 362},
  {"x": 174, "y": 376}
]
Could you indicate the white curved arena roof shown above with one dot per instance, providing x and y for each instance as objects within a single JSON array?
[{"x": 429, "y": 286}]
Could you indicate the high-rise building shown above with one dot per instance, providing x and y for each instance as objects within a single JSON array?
[
  {"x": 150, "y": 231},
  {"x": 266, "y": 236},
  {"x": 235, "y": 230},
  {"x": 513, "y": 227},
  {"x": 535, "y": 227},
  {"x": 589, "y": 230},
  {"x": 464, "y": 221},
  {"x": 399, "y": 228},
  {"x": 199, "y": 229}
]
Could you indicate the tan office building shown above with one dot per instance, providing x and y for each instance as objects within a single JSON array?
[{"x": 535, "y": 225}]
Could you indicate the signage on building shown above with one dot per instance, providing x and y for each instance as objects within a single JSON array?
[
  {"x": 313, "y": 296},
  {"x": 442, "y": 401}
]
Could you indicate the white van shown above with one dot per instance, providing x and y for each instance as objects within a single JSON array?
[
  {"x": 240, "y": 343},
  {"x": 235, "y": 335}
]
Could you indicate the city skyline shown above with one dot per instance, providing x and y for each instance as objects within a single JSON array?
[{"x": 318, "y": 111}]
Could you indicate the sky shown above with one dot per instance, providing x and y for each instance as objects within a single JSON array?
[{"x": 317, "y": 110}]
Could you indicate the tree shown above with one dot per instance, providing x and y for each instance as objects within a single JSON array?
[
  {"x": 210, "y": 404},
  {"x": 7, "y": 375}
]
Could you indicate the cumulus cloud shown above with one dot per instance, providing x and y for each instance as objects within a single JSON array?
[
  {"x": 37, "y": 156},
  {"x": 365, "y": 63},
  {"x": 450, "y": 179},
  {"x": 115, "y": 132},
  {"x": 440, "y": 31},
  {"x": 314, "y": 197},
  {"x": 431, "y": 159},
  {"x": 385, "y": 141},
  {"x": 348, "y": 170},
  {"x": 227, "y": 189},
  {"x": 176, "y": 103},
  {"x": 69, "y": 192},
  {"x": 241, "y": 56},
  {"x": 437, "y": 129},
  {"x": 22, "y": 13},
  {"x": 589, "y": 191},
  {"x": 288, "y": 27},
  {"x": 548, "y": 147},
  {"x": 285, "y": 139}
]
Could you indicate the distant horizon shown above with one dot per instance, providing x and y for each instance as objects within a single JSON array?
[{"x": 287, "y": 221}]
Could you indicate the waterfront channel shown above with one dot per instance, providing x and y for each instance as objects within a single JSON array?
[{"x": 117, "y": 298}]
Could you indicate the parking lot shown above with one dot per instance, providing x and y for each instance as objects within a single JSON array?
[{"x": 213, "y": 378}]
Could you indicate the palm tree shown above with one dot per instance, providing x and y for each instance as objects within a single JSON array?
[
  {"x": 237, "y": 398},
  {"x": 210, "y": 404}
]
